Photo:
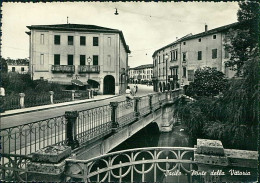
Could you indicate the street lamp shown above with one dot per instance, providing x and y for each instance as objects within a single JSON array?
[{"x": 89, "y": 60}]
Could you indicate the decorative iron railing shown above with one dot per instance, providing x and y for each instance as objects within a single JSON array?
[
  {"x": 88, "y": 68},
  {"x": 144, "y": 105},
  {"x": 64, "y": 96},
  {"x": 155, "y": 102},
  {"x": 14, "y": 167},
  {"x": 142, "y": 164},
  {"x": 36, "y": 100},
  {"x": 11, "y": 102},
  {"x": 28, "y": 138},
  {"x": 126, "y": 112},
  {"x": 63, "y": 68},
  {"x": 93, "y": 123}
]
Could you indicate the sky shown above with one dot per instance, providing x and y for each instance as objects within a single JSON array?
[{"x": 147, "y": 26}]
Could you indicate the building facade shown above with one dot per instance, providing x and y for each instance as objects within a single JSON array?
[
  {"x": 20, "y": 66},
  {"x": 176, "y": 63},
  {"x": 141, "y": 74},
  {"x": 94, "y": 56}
]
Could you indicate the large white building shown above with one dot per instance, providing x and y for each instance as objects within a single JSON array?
[
  {"x": 90, "y": 54},
  {"x": 141, "y": 74},
  {"x": 176, "y": 63}
]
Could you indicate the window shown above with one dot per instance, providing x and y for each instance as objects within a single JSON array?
[
  {"x": 163, "y": 71},
  {"x": 82, "y": 59},
  {"x": 214, "y": 36},
  {"x": 184, "y": 43},
  {"x": 199, "y": 55},
  {"x": 159, "y": 72},
  {"x": 199, "y": 39},
  {"x": 42, "y": 38},
  {"x": 214, "y": 53},
  {"x": 109, "y": 41},
  {"x": 70, "y": 60},
  {"x": 159, "y": 59},
  {"x": 22, "y": 69},
  {"x": 42, "y": 59},
  {"x": 95, "y": 41},
  {"x": 56, "y": 59},
  {"x": 70, "y": 40},
  {"x": 82, "y": 40},
  {"x": 174, "y": 55},
  {"x": 13, "y": 69},
  {"x": 184, "y": 57},
  {"x": 95, "y": 59},
  {"x": 57, "y": 39},
  {"x": 184, "y": 72},
  {"x": 226, "y": 54},
  {"x": 190, "y": 75},
  {"x": 155, "y": 62}
]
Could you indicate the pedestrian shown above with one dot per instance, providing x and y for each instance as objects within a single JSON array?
[
  {"x": 2, "y": 98},
  {"x": 136, "y": 88}
]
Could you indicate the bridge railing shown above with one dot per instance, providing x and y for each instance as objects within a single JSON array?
[
  {"x": 28, "y": 138},
  {"x": 142, "y": 164},
  {"x": 125, "y": 112},
  {"x": 144, "y": 105},
  {"x": 93, "y": 123}
]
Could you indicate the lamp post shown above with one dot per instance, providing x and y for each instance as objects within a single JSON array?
[{"x": 89, "y": 60}]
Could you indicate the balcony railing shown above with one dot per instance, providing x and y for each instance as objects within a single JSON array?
[
  {"x": 63, "y": 68},
  {"x": 173, "y": 77},
  {"x": 89, "y": 68}
]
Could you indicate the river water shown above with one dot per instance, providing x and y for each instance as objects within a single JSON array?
[{"x": 151, "y": 137}]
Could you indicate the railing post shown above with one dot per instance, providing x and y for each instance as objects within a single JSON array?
[
  {"x": 115, "y": 124},
  {"x": 51, "y": 96},
  {"x": 73, "y": 95},
  {"x": 22, "y": 95},
  {"x": 71, "y": 126},
  {"x": 137, "y": 113},
  {"x": 151, "y": 102}
]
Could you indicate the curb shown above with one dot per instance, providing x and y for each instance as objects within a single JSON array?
[{"x": 22, "y": 112}]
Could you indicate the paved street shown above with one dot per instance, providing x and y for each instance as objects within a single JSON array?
[{"x": 19, "y": 119}]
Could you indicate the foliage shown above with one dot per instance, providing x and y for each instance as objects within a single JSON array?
[
  {"x": 242, "y": 43},
  {"x": 207, "y": 82}
]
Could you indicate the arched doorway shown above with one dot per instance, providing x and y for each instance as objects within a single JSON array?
[
  {"x": 109, "y": 85},
  {"x": 164, "y": 88}
]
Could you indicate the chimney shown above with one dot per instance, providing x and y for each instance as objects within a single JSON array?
[{"x": 206, "y": 28}]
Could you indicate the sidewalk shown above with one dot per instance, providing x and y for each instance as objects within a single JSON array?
[{"x": 45, "y": 107}]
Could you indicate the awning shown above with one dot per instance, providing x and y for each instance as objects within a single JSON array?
[
  {"x": 91, "y": 82},
  {"x": 77, "y": 82}
]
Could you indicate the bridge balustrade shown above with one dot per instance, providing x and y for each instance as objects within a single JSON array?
[
  {"x": 144, "y": 105},
  {"x": 93, "y": 123},
  {"x": 127, "y": 165},
  {"x": 125, "y": 112},
  {"x": 22, "y": 140}
]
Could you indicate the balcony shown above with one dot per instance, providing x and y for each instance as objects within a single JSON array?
[
  {"x": 63, "y": 68},
  {"x": 89, "y": 69},
  {"x": 173, "y": 77}
]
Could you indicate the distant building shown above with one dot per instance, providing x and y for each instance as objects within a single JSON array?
[
  {"x": 20, "y": 66},
  {"x": 92, "y": 55},
  {"x": 141, "y": 74},
  {"x": 188, "y": 54}
]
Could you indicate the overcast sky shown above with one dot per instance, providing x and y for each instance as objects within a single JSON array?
[{"x": 146, "y": 26}]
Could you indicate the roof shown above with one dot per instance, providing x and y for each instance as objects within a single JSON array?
[
  {"x": 80, "y": 28},
  {"x": 171, "y": 44},
  {"x": 190, "y": 36},
  {"x": 142, "y": 67},
  {"x": 17, "y": 62}
]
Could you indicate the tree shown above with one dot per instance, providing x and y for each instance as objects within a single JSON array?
[
  {"x": 242, "y": 43},
  {"x": 207, "y": 82}
]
